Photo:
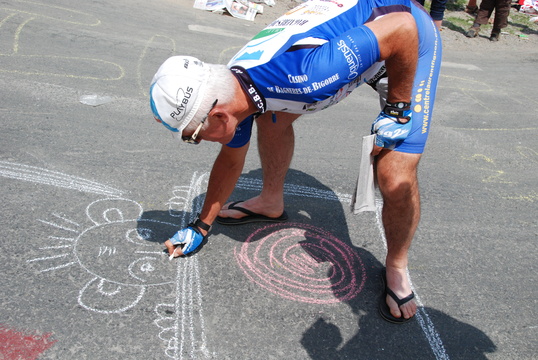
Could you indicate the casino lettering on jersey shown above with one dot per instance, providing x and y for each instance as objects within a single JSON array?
[{"x": 297, "y": 79}]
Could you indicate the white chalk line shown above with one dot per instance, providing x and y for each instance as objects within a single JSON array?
[
  {"x": 58, "y": 240},
  {"x": 58, "y": 267},
  {"x": 149, "y": 252},
  {"x": 179, "y": 202},
  {"x": 57, "y": 226},
  {"x": 135, "y": 263},
  {"x": 106, "y": 250},
  {"x": 216, "y": 31},
  {"x": 55, "y": 247},
  {"x": 53, "y": 257},
  {"x": 104, "y": 218},
  {"x": 47, "y": 177},
  {"x": 296, "y": 190},
  {"x": 107, "y": 293},
  {"x": 66, "y": 219},
  {"x": 114, "y": 211},
  {"x": 188, "y": 338},
  {"x": 100, "y": 289},
  {"x": 61, "y": 238},
  {"x": 427, "y": 326},
  {"x": 48, "y": 258}
]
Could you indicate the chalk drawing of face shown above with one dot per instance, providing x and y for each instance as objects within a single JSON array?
[{"x": 121, "y": 251}]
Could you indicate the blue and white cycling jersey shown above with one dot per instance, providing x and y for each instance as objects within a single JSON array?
[{"x": 317, "y": 54}]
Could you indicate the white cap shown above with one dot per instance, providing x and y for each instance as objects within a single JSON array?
[{"x": 177, "y": 89}]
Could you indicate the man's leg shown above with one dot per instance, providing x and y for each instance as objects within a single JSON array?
[
  {"x": 397, "y": 179},
  {"x": 276, "y": 141}
]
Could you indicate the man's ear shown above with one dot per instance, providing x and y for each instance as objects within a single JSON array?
[{"x": 219, "y": 115}]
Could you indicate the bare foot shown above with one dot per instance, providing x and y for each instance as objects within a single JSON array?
[{"x": 398, "y": 282}]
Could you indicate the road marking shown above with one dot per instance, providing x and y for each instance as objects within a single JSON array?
[
  {"x": 217, "y": 31},
  {"x": 452, "y": 65},
  {"x": 54, "y": 178}
]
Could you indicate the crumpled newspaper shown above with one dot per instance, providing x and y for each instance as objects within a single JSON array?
[{"x": 241, "y": 9}]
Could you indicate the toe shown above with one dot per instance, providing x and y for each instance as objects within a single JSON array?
[
  {"x": 226, "y": 212},
  {"x": 408, "y": 309},
  {"x": 394, "y": 310}
]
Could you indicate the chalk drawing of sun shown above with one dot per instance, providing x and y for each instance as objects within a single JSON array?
[{"x": 121, "y": 251}]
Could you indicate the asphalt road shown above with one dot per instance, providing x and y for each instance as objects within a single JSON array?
[{"x": 91, "y": 186}]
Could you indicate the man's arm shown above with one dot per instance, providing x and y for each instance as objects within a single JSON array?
[
  {"x": 226, "y": 171},
  {"x": 397, "y": 38}
]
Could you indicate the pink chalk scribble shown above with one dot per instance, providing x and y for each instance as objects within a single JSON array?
[
  {"x": 303, "y": 263},
  {"x": 16, "y": 345}
]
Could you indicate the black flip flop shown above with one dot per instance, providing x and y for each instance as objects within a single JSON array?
[
  {"x": 250, "y": 218},
  {"x": 384, "y": 309}
]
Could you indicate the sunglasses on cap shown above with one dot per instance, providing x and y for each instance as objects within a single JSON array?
[{"x": 191, "y": 139}]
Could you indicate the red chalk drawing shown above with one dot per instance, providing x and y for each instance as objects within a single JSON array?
[
  {"x": 16, "y": 345},
  {"x": 303, "y": 263}
]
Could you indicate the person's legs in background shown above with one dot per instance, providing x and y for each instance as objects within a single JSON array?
[
  {"x": 502, "y": 10},
  {"x": 437, "y": 12},
  {"x": 471, "y": 7},
  {"x": 484, "y": 13}
]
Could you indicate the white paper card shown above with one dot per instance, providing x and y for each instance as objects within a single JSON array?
[{"x": 364, "y": 196}]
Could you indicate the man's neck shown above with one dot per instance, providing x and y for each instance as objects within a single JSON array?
[{"x": 242, "y": 103}]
